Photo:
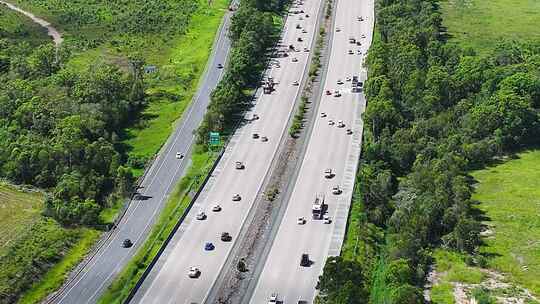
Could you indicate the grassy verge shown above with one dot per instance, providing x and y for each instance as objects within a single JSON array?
[
  {"x": 19, "y": 210},
  {"x": 16, "y": 27},
  {"x": 182, "y": 66},
  {"x": 482, "y": 24},
  {"x": 174, "y": 209},
  {"x": 55, "y": 277},
  {"x": 509, "y": 194}
]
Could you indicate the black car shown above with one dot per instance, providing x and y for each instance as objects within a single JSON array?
[
  {"x": 304, "y": 260},
  {"x": 127, "y": 243},
  {"x": 226, "y": 237}
]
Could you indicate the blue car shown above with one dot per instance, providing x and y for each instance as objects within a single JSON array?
[{"x": 209, "y": 246}]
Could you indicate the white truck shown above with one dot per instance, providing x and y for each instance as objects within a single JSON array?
[{"x": 318, "y": 207}]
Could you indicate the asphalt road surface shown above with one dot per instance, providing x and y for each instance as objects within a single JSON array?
[
  {"x": 169, "y": 281},
  {"x": 165, "y": 172},
  {"x": 329, "y": 147}
]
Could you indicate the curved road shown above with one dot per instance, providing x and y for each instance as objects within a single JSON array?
[
  {"x": 329, "y": 147},
  {"x": 169, "y": 282},
  {"x": 51, "y": 31},
  {"x": 96, "y": 273}
]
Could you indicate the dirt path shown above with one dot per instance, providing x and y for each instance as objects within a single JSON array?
[{"x": 51, "y": 31}]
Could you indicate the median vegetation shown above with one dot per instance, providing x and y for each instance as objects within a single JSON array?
[
  {"x": 435, "y": 112},
  {"x": 254, "y": 31}
]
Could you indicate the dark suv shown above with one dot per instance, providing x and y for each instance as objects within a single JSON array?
[{"x": 304, "y": 260}]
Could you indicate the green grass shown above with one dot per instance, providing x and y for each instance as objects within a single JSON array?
[
  {"x": 181, "y": 69},
  {"x": 173, "y": 210},
  {"x": 482, "y": 24},
  {"x": 18, "y": 27},
  {"x": 510, "y": 196},
  {"x": 55, "y": 277},
  {"x": 456, "y": 270},
  {"x": 442, "y": 293},
  {"x": 19, "y": 210}
]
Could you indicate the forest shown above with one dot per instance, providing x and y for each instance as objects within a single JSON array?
[{"x": 435, "y": 111}]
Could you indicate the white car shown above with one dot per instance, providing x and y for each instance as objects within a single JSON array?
[
  {"x": 348, "y": 78},
  {"x": 323, "y": 115},
  {"x": 336, "y": 190},
  {"x": 236, "y": 197},
  {"x": 326, "y": 219},
  {"x": 338, "y": 29},
  {"x": 340, "y": 81},
  {"x": 216, "y": 208},
  {"x": 301, "y": 220},
  {"x": 349, "y": 132},
  {"x": 294, "y": 59},
  {"x": 337, "y": 93},
  {"x": 201, "y": 215},
  {"x": 295, "y": 83},
  {"x": 304, "y": 31},
  {"x": 351, "y": 52},
  {"x": 273, "y": 299},
  {"x": 340, "y": 124},
  {"x": 331, "y": 122},
  {"x": 328, "y": 173},
  {"x": 194, "y": 272},
  {"x": 179, "y": 155}
]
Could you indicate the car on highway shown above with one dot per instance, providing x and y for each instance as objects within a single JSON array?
[
  {"x": 208, "y": 246},
  {"x": 349, "y": 132},
  {"x": 254, "y": 117},
  {"x": 355, "y": 79},
  {"x": 236, "y": 197},
  {"x": 359, "y": 52},
  {"x": 351, "y": 52},
  {"x": 294, "y": 59},
  {"x": 226, "y": 237},
  {"x": 264, "y": 139},
  {"x": 331, "y": 122},
  {"x": 220, "y": 66},
  {"x": 348, "y": 78},
  {"x": 304, "y": 31},
  {"x": 255, "y": 135},
  {"x": 340, "y": 124},
  {"x": 179, "y": 155},
  {"x": 338, "y": 29},
  {"x": 295, "y": 83},
  {"x": 326, "y": 219},
  {"x": 306, "y": 49},
  {"x": 339, "y": 81},
  {"x": 273, "y": 299},
  {"x": 216, "y": 208},
  {"x": 359, "y": 44},
  {"x": 200, "y": 215},
  {"x": 194, "y": 272},
  {"x": 337, "y": 93},
  {"x": 307, "y": 15},
  {"x": 336, "y": 190},
  {"x": 299, "y": 39},
  {"x": 328, "y": 173},
  {"x": 304, "y": 260},
  {"x": 127, "y": 243},
  {"x": 301, "y": 220},
  {"x": 360, "y": 18},
  {"x": 323, "y": 115},
  {"x": 328, "y": 92},
  {"x": 302, "y": 302},
  {"x": 239, "y": 165},
  {"x": 363, "y": 36},
  {"x": 298, "y": 26}
]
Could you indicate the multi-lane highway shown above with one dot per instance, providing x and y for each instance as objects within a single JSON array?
[
  {"x": 330, "y": 147},
  {"x": 169, "y": 281},
  {"x": 101, "y": 268}
]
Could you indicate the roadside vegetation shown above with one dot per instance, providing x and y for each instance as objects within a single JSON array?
[
  {"x": 81, "y": 122},
  {"x": 435, "y": 112}
]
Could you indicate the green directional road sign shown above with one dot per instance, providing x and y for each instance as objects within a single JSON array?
[{"x": 214, "y": 138}]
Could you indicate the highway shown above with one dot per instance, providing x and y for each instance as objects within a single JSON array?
[
  {"x": 97, "y": 272},
  {"x": 169, "y": 282},
  {"x": 329, "y": 147}
]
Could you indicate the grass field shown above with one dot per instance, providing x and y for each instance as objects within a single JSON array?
[
  {"x": 481, "y": 24},
  {"x": 510, "y": 196},
  {"x": 18, "y": 212},
  {"x": 185, "y": 59},
  {"x": 16, "y": 27}
]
